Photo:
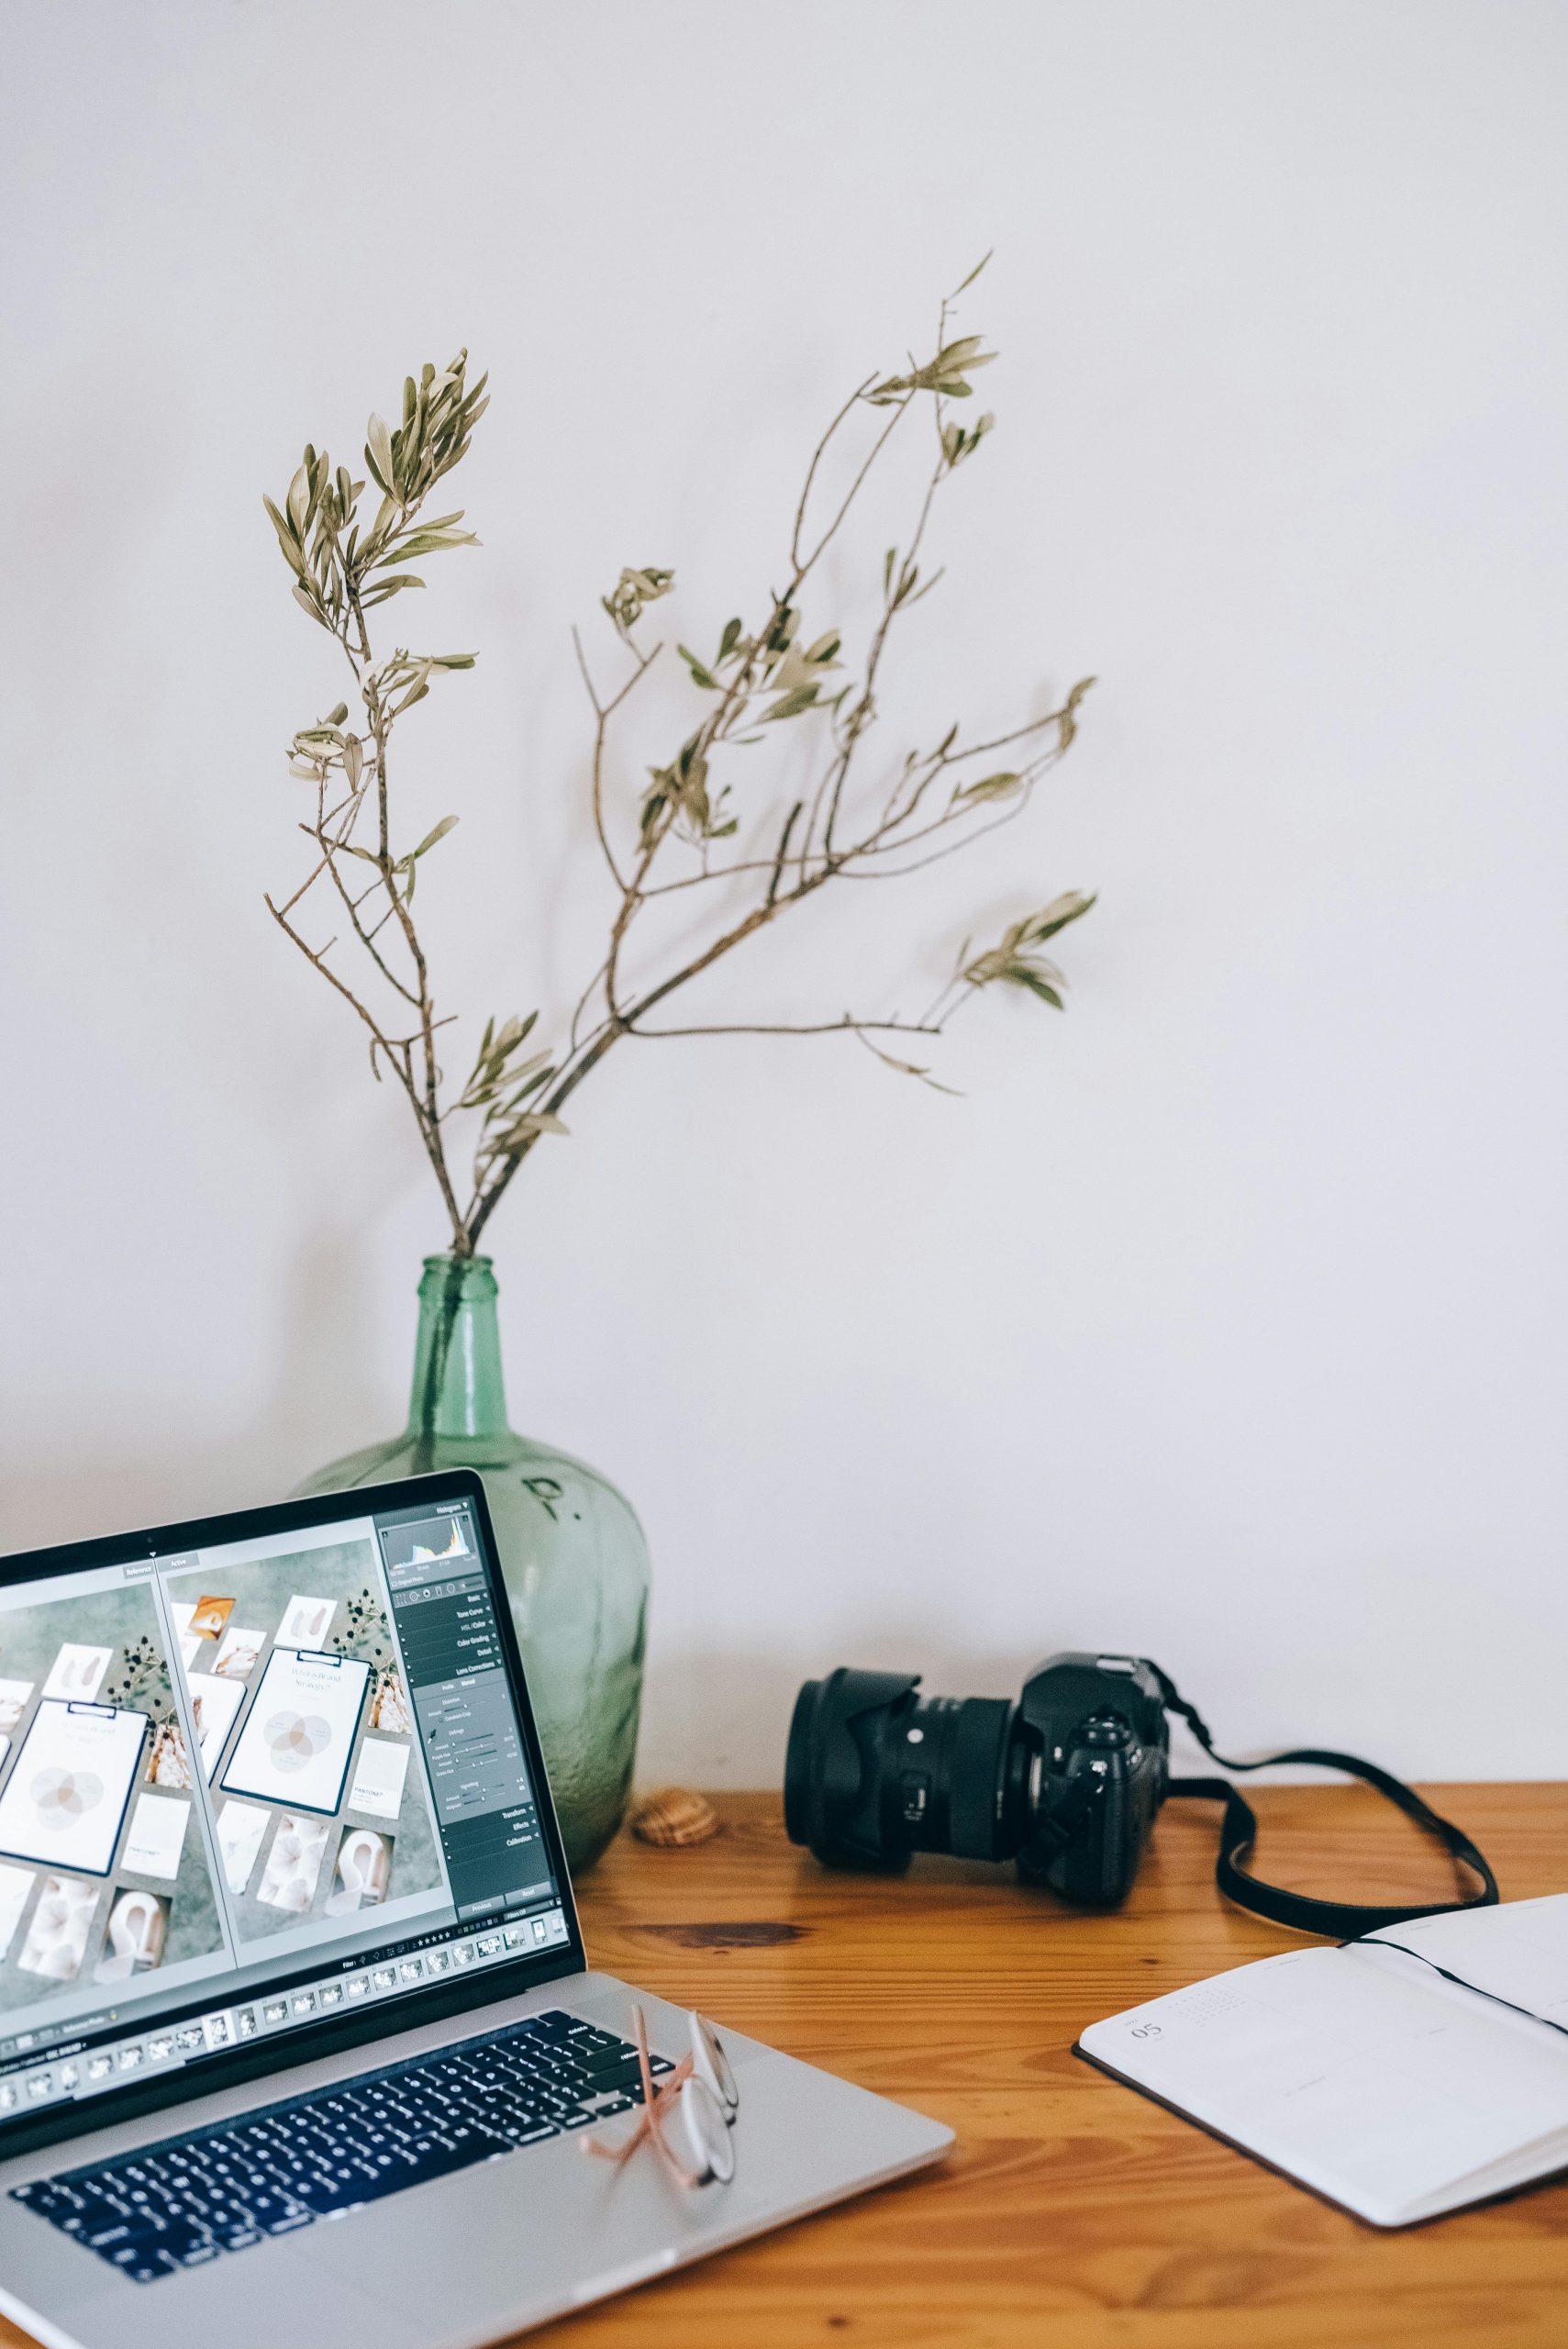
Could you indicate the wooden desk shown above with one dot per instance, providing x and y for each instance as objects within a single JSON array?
[{"x": 1072, "y": 2213}]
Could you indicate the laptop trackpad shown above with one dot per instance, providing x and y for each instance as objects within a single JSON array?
[{"x": 528, "y": 2235}]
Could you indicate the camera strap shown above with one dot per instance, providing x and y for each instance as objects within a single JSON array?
[{"x": 1344, "y": 1920}]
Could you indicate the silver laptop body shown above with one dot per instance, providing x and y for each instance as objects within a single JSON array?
[{"x": 326, "y": 1855}]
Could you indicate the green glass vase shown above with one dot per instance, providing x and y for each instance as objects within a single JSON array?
[{"x": 573, "y": 1554}]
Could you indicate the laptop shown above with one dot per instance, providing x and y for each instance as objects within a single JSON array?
[{"x": 298, "y": 2037}]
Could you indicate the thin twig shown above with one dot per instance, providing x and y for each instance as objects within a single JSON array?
[
  {"x": 817, "y": 456},
  {"x": 844, "y": 1027}
]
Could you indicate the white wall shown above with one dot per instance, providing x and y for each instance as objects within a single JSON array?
[{"x": 1223, "y": 1318}]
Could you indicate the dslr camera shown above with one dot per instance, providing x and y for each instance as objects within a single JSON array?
[{"x": 1066, "y": 1781}]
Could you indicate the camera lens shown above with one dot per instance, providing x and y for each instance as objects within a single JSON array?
[
  {"x": 830, "y": 1774},
  {"x": 875, "y": 1772}
]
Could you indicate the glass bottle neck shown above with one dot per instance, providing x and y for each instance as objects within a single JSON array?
[{"x": 458, "y": 1388}]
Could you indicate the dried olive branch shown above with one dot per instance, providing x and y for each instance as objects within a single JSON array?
[
  {"x": 841, "y": 824},
  {"x": 342, "y": 571}
]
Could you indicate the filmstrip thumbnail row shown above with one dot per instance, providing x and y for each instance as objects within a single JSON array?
[{"x": 230, "y": 2026}]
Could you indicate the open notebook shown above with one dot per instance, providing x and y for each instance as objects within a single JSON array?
[{"x": 1364, "y": 2073}]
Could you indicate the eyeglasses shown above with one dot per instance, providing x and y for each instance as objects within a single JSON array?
[{"x": 688, "y": 2115}]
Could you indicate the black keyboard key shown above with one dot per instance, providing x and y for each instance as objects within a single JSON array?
[
  {"x": 233, "y": 2231},
  {"x": 110, "y": 2230},
  {"x": 619, "y": 2081},
  {"x": 182, "y": 2240},
  {"x": 554, "y": 2025},
  {"x": 144, "y": 2266},
  {"x": 605, "y": 2060},
  {"x": 273, "y": 2212}
]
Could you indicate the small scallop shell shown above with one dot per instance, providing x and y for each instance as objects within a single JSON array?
[{"x": 674, "y": 1816}]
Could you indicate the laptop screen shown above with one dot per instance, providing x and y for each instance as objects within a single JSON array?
[{"x": 257, "y": 1785}]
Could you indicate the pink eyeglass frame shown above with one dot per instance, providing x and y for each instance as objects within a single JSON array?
[{"x": 702, "y": 2088}]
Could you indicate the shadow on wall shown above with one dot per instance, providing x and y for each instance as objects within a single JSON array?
[
  {"x": 721, "y": 1719},
  {"x": 323, "y": 1397}
]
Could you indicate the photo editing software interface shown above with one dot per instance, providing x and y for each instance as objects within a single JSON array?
[{"x": 246, "y": 1788}]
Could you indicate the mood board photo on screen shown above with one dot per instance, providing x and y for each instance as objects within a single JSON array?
[{"x": 209, "y": 1765}]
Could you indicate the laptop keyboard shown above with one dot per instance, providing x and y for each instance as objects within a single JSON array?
[{"x": 185, "y": 2202}]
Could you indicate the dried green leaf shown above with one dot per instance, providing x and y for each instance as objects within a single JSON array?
[
  {"x": 526, "y": 1076},
  {"x": 1006, "y": 786},
  {"x": 385, "y": 587},
  {"x": 632, "y": 590},
  {"x": 438, "y": 832},
  {"x": 969, "y": 281},
  {"x": 958, "y": 444},
  {"x": 1021, "y": 974},
  {"x": 286, "y": 538},
  {"x": 780, "y": 632},
  {"x": 905, "y": 1068},
  {"x": 944, "y": 375},
  {"x": 1068, "y": 725},
  {"x": 790, "y": 705},
  {"x": 423, "y": 542},
  {"x": 804, "y": 665},
  {"x": 1071, "y": 905}
]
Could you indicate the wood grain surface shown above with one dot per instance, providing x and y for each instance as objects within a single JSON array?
[{"x": 1071, "y": 2213}]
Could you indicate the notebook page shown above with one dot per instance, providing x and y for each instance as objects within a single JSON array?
[
  {"x": 1364, "y": 2083},
  {"x": 1517, "y": 1951}
]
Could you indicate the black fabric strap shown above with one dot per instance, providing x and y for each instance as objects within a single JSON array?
[{"x": 1344, "y": 1920}]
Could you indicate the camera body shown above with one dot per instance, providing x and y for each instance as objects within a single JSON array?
[
  {"x": 1097, "y": 1722},
  {"x": 1066, "y": 1781}
]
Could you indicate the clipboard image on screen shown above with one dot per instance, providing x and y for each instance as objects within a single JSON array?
[
  {"x": 65, "y": 1800},
  {"x": 298, "y": 1736}
]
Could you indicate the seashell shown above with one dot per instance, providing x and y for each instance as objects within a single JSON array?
[{"x": 673, "y": 1815}]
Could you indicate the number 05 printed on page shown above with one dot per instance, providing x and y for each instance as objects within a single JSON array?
[{"x": 299, "y": 1734}]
